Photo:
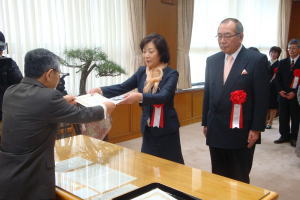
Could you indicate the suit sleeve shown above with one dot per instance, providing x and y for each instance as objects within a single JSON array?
[
  {"x": 165, "y": 93},
  {"x": 260, "y": 94},
  {"x": 62, "y": 111},
  {"x": 205, "y": 106},
  {"x": 118, "y": 89},
  {"x": 278, "y": 78}
]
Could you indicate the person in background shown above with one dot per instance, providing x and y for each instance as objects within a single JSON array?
[
  {"x": 156, "y": 85},
  {"x": 287, "y": 83},
  {"x": 235, "y": 102},
  {"x": 32, "y": 110},
  {"x": 9, "y": 74},
  {"x": 273, "y": 103}
]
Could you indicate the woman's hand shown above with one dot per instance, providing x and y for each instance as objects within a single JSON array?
[
  {"x": 95, "y": 90},
  {"x": 70, "y": 99},
  {"x": 132, "y": 97}
]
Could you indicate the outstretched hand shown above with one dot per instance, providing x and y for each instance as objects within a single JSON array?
[
  {"x": 132, "y": 97},
  {"x": 70, "y": 99},
  {"x": 95, "y": 90}
]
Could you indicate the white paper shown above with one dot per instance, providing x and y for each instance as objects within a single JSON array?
[
  {"x": 90, "y": 100},
  {"x": 97, "y": 177},
  {"x": 70, "y": 164},
  {"x": 155, "y": 194}
]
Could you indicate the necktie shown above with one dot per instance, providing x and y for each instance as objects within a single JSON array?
[
  {"x": 227, "y": 66},
  {"x": 292, "y": 63}
]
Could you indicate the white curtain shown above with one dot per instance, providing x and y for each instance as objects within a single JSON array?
[
  {"x": 185, "y": 25},
  {"x": 284, "y": 16},
  {"x": 259, "y": 18},
  {"x": 137, "y": 25},
  {"x": 66, "y": 24}
]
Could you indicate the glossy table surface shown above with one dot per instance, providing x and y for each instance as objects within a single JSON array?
[{"x": 146, "y": 169}]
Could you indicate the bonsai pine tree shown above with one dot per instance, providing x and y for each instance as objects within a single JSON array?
[{"x": 87, "y": 60}]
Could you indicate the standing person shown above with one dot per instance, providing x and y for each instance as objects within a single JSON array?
[
  {"x": 235, "y": 102},
  {"x": 9, "y": 74},
  {"x": 273, "y": 103},
  {"x": 32, "y": 110},
  {"x": 156, "y": 83},
  {"x": 287, "y": 82}
]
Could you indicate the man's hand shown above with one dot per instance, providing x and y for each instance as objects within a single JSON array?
[
  {"x": 290, "y": 95},
  {"x": 110, "y": 106},
  {"x": 70, "y": 99},
  {"x": 132, "y": 97},
  {"x": 95, "y": 90},
  {"x": 252, "y": 138},
  {"x": 283, "y": 94},
  {"x": 205, "y": 130}
]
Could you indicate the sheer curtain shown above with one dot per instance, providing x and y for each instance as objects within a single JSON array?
[
  {"x": 138, "y": 30},
  {"x": 284, "y": 16},
  {"x": 185, "y": 26},
  {"x": 58, "y": 25},
  {"x": 259, "y": 19}
]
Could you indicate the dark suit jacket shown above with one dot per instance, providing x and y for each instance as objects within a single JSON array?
[
  {"x": 165, "y": 95},
  {"x": 217, "y": 105},
  {"x": 10, "y": 74},
  {"x": 31, "y": 113},
  {"x": 285, "y": 76}
]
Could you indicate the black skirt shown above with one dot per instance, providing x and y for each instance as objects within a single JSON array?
[{"x": 161, "y": 144}]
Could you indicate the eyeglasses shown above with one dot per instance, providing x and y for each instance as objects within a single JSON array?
[
  {"x": 59, "y": 72},
  {"x": 226, "y": 36},
  {"x": 292, "y": 48}
]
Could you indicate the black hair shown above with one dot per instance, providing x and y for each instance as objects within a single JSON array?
[
  {"x": 275, "y": 49},
  {"x": 160, "y": 44},
  {"x": 39, "y": 61}
]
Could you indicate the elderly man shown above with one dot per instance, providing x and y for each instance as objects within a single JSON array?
[
  {"x": 287, "y": 81},
  {"x": 31, "y": 112},
  {"x": 235, "y": 102}
]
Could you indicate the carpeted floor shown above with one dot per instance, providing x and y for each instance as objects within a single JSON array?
[{"x": 276, "y": 166}]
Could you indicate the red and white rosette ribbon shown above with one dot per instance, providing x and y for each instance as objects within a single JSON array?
[
  {"x": 157, "y": 118},
  {"x": 275, "y": 70},
  {"x": 237, "y": 98},
  {"x": 296, "y": 78}
]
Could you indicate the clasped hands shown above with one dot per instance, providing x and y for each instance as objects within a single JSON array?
[{"x": 289, "y": 95}]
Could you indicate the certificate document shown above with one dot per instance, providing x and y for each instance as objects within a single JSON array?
[{"x": 90, "y": 100}]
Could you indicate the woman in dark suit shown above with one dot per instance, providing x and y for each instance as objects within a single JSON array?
[
  {"x": 273, "y": 103},
  {"x": 156, "y": 85}
]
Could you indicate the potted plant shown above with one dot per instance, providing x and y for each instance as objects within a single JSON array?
[{"x": 87, "y": 60}]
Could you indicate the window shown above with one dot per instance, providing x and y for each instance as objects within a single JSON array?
[
  {"x": 57, "y": 25},
  {"x": 259, "y": 18}
]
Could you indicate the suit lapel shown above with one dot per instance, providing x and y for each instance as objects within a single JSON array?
[
  {"x": 219, "y": 77},
  {"x": 235, "y": 72}
]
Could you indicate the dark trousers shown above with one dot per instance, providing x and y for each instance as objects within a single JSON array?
[
  {"x": 232, "y": 163},
  {"x": 161, "y": 144},
  {"x": 289, "y": 111}
]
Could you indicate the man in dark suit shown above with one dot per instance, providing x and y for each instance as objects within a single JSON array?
[
  {"x": 235, "y": 102},
  {"x": 287, "y": 82},
  {"x": 10, "y": 74},
  {"x": 32, "y": 110}
]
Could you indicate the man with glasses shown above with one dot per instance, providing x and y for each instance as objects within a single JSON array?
[
  {"x": 32, "y": 110},
  {"x": 287, "y": 82},
  {"x": 235, "y": 102}
]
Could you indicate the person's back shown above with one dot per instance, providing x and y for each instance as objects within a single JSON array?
[{"x": 31, "y": 113}]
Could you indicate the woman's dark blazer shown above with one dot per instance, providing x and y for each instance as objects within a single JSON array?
[{"x": 164, "y": 95}]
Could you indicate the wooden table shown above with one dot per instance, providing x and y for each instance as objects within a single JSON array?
[{"x": 148, "y": 169}]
